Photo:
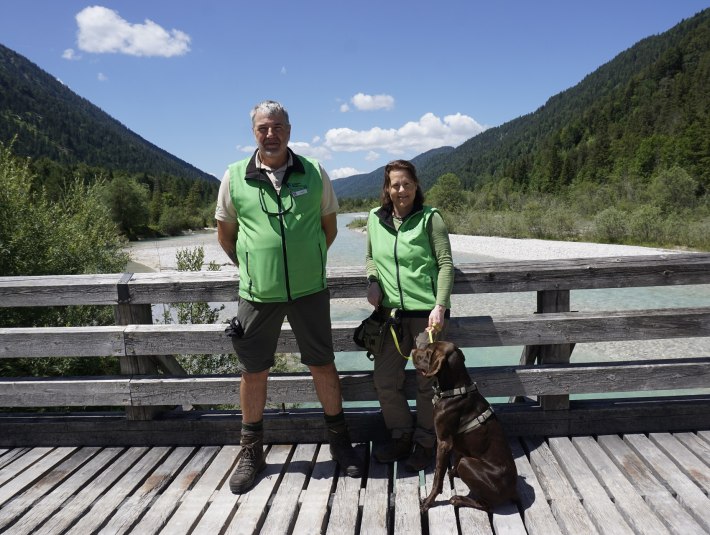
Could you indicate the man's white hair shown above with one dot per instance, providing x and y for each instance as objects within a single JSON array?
[{"x": 268, "y": 108}]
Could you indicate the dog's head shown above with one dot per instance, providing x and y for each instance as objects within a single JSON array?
[{"x": 431, "y": 360}]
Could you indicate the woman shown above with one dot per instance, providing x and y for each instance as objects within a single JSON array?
[{"x": 409, "y": 268}]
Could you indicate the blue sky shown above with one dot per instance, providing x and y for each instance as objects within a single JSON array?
[{"x": 364, "y": 82}]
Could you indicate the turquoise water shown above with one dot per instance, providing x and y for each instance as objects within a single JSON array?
[{"x": 348, "y": 250}]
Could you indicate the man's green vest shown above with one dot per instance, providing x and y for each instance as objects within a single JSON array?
[
  {"x": 280, "y": 242},
  {"x": 406, "y": 265}
]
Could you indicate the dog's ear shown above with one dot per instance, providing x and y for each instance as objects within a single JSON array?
[{"x": 437, "y": 356}]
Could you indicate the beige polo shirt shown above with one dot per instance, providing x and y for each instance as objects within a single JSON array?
[{"x": 225, "y": 210}]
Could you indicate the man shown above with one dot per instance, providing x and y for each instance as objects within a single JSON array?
[{"x": 276, "y": 218}]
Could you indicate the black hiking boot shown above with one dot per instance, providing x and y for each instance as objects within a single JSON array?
[
  {"x": 251, "y": 462},
  {"x": 342, "y": 451}
]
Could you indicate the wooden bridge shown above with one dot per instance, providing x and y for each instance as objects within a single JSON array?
[{"x": 598, "y": 465}]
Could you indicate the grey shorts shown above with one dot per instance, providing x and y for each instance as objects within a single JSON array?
[{"x": 309, "y": 317}]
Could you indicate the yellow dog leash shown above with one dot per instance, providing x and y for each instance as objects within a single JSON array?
[{"x": 396, "y": 342}]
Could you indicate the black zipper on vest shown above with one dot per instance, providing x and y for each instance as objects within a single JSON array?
[{"x": 283, "y": 244}]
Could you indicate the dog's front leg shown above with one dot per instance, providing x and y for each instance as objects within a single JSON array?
[{"x": 443, "y": 449}]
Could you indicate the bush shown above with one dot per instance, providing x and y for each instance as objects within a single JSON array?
[{"x": 610, "y": 226}]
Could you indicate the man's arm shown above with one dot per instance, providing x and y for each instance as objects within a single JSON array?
[
  {"x": 227, "y": 238},
  {"x": 329, "y": 223}
]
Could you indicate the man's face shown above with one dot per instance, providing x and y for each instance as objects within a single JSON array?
[{"x": 272, "y": 134}]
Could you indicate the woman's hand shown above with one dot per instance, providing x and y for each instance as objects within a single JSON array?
[
  {"x": 436, "y": 318},
  {"x": 374, "y": 294}
]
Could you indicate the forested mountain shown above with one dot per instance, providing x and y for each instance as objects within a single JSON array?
[
  {"x": 51, "y": 121},
  {"x": 368, "y": 185},
  {"x": 646, "y": 110}
]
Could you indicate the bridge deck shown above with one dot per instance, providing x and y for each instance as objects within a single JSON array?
[{"x": 638, "y": 483}]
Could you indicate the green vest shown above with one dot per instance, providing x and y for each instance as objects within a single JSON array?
[
  {"x": 280, "y": 242},
  {"x": 406, "y": 265}
]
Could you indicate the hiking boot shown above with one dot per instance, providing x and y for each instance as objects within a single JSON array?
[
  {"x": 420, "y": 458},
  {"x": 395, "y": 450},
  {"x": 342, "y": 451},
  {"x": 251, "y": 462}
]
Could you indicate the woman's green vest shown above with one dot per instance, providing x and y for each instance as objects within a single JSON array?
[
  {"x": 280, "y": 242},
  {"x": 406, "y": 265}
]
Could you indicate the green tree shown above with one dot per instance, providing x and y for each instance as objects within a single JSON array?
[
  {"x": 128, "y": 203},
  {"x": 446, "y": 193},
  {"x": 39, "y": 236}
]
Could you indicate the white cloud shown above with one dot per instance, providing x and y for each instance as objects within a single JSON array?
[
  {"x": 342, "y": 172},
  {"x": 365, "y": 102},
  {"x": 102, "y": 77},
  {"x": 415, "y": 136},
  {"x": 283, "y": 71},
  {"x": 306, "y": 149},
  {"x": 102, "y": 30},
  {"x": 344, "y": 108},
  {"x": 70, "y": 54},
  {"x": 372, "y": 156},
  {"x": 246, "y": 148}
]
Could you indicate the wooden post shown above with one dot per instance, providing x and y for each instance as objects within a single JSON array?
[
  {"x": 127, "y": 314},
  {"x": 548, "y": 301},
  {"x": 554, "y": 301}
]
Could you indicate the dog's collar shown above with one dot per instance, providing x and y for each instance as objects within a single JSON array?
[
  {"x": 473, "y": 423},
  {"x": 460, "y": 391}
]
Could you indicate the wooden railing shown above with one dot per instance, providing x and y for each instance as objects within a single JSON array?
[{"x": 153, "y": 383}]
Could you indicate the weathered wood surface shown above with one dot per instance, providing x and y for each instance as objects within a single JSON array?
[
  {"x": 583, "y": 485},
  {"x": 475, "y": 331},
  {"x": 219, "y": 286},
  {"x": 141, "y": 391}
]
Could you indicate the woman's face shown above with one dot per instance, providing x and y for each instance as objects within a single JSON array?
[{"x": 402, "y": 191}]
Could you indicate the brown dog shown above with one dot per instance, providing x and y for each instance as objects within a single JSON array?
[{"x": 466, "y": 425}]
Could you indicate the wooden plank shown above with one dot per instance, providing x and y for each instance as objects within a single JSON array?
[
  {"x": 407, "y": 518},
  {"x": 65, "y": 391},
  {"x": 313, "y": 513},
  {"x": 253, "y": 504},
  {"x": 74, "y": 507},
  {"x": 564, "y": 503},
  {"x": 284, "y": 504},
  {"x": 493, "y": 381},
  {"x": 220, "y": 286},
  {"x": 159, "y": 513},
  {"x": 695, "y": 444},
  {"x": 345, "y": 507},
  {"x": 472, "y": 521},
  {"x": 195, "y": 500},
  {"x": 507, "y": 520},
  {"x": 32, "y": 473},
  {"x": 59, "y": 290},
  {"x": 11, "y": 455},
  {"x": 684, "y": 459},
  {"x": 632, "y": 507},
  {"x": 687, "y": 493},
  {"x": 21, "y": 463},
  {"x": 602, "y": 512},
  {"x": 536, "y": 513},
  {"x": 551, "y": 301},
  {"x": 62, "y": 342},
  {"x": 441, "y": 517},
  {"x": 10, "y": 512},
  {"x": 667, "y": 509},
  {"x": 480, "y": 331},
  {"x": 376, "y": 501},
  {"x": 51, "y": 502},
  {"x": 138, "y": 501},
  {"x": 105, "y": 507}
]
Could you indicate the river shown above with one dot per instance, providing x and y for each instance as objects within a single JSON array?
[{"x": 349, "y": 250}]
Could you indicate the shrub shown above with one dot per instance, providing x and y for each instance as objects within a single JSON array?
[{"x": 610, "y": 226}]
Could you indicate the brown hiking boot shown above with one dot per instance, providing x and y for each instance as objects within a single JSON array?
[
  {"x": 251, "y": 462},
  {"x": 420, "y": 458},
  {"x": 395, "y": 450},
  {"x": 342, "y": 451}
]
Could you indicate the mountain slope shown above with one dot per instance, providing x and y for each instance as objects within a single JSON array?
[
  {"x": 52, "y": 121},
  {"x": 368, "y": 185},
  {"x": 645, "y": 110}
]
